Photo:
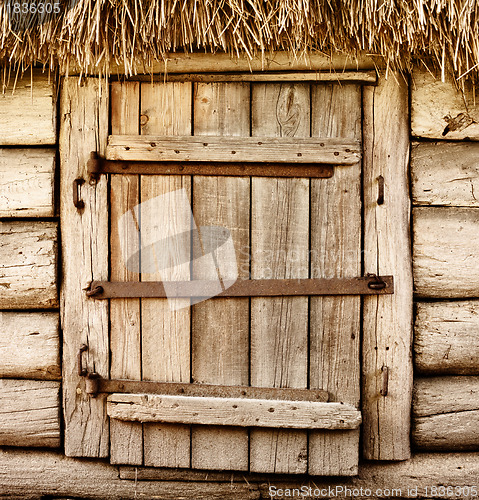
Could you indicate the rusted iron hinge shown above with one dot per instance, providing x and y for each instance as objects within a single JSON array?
[{"x": 368, "y": 285}]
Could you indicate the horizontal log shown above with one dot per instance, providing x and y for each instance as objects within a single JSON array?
[
  {"x": 232, "y": 149},
  {"x": 445, "y": 256},
  {"x": 27, "y": 114},
  {"x": 30, "y": 345},
  {"x": 28, "y": 265},
  {"x": 32, "y": 474},
  {"x": 29, "y": 413},
  {"x": 367, "y": 77},
  {"x": 445, "y": 338},
  {"x": 445, "y": 174},
  {"x": 221, "y": 62},
  {"x": 446, "y": 413},
  {"x": 232, "y": 411},
  {"x": 440, "y": 111},
  {"x": 26, "y": 182}
]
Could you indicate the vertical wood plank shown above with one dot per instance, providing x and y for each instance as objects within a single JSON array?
[
  {"x": 279, "y": 248},
  {"x": 84, "y": 128},
  {"x": 387, "y": 323},
  {"x": 165, "y": 109},
  {"x": 335, "y": 253},
  {"x": 220, "y": 333},
  {"x": 126, "y": 439}
]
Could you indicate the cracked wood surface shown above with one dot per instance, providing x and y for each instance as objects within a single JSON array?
[
  {"x": 446, "y": 413},
  {"x": 84, "y": 128},
  {"x": 387, "y": 321},
  {"x": 28, "y": 264}
]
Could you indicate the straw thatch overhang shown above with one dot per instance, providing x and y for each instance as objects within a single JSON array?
[{"x": 132, "y": 35}]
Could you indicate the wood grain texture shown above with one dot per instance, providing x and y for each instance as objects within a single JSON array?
[
  {"x": 28, "y": 264},
  {"x": 445, "y": 338},
  {"x": 233, "y": 149},
  {"x": 432, "y": 101},
  {"x": 165, "y": 109},
  {"x": 29, "y": 413},
  {"x": 445, "y": 174},
  {"x": 126, "y": 439},
  {"x": 279, "y": 249},
  {"x": 387, "y": 321},
  {"x": 30, "y": 345},
  {"x": 27, "y": 182},
  {"x": 220, "y": 328},
  {"x": 28, "y": 114},
  {"x": 445, "y": 258},
  {"x": 336, "y": 252},
  {"x": 446, "y": 413},
  {"x": 233, "y": 412},
  {"x": 84, "y": 128}
]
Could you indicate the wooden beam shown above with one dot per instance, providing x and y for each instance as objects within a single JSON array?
[
  {"x": 233, "y": 149},
  {"x": 84, "y": 128},
  {"x": 446, "y": 413},
  {"x": 27, "y": 113},
  {"x": 439, "y": 110},
  {"x": 445, "y": 257},
  {"x": 445, "y": 174},
  {"x": 232, "y": 411},
  {"x": 365, "y": 77},
  {"x": 221, "y": 62},
  {"x": 29, "y": 413},
  {"x": 387, "y": 323},
  {"x": 445, "y": 338},
  {"x": 27, "y": 182},
  {"x": 30, "y": 345},
  {"x": 28, "y": 265}
]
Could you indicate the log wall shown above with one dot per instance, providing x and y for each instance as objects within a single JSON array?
[
  {"x": 30, "y": 367},
  {"x": 445, "y": 195}
]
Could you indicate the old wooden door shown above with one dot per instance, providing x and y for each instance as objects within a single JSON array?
[{"x": 281, "y": 228}]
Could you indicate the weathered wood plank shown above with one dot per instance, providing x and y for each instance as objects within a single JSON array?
[
  {"x": 30, "y": 474},
  {"x": 445, "y": 338},
  {"x": 126, "y": 439},
  {"x": 336, "y": 252},
  {"x": 220, "y": 329},
  {"x": 233, "y": 149},
  {"x": 28, "y": 264},
  {"x": 84, "y": 128},
  {"x": 165, "y": 109},
  {"x": 445, "y": 257},
  {"x": 28, "y": 114},
  {"x": 445, "y": 174},
  {"x": 279, "y": 249},
  {"x": 30, "y": 345},
  {"x": 233, "y": 411},
  {"x": 446, "y": 413},
  {"x": 27, "y": 182},
  {"x": 439, "y": 110},
  {"x": 175, "y": 62},
  {"x": 387, "y": 321},
  {"x": 29, "y": 413}
]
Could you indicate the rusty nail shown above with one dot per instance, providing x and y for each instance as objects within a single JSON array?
[
  {"x": 77, "y": 201},
  {"x": 384, "y": 390},
  {"x": 81, "y": 371},
  {"x": 380, "y": 190}
]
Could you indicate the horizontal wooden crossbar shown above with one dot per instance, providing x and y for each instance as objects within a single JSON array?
[
  {"x": 233, "y": 149},
  {"x": 243, "y": 288},
  {"x": 233, "y": 411},
  {"x": 315, "y": 171}
]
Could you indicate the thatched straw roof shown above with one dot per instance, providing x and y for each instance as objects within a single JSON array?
[{"x": 138, "y": 31}]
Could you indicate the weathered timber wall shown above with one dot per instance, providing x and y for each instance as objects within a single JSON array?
[
  {"x": 445, "y": 194},
  {"x": 29, "y": 337}
]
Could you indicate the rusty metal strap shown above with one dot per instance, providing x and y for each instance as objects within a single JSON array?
[
  {"x": 94, "y": 385},
  {"x": 98, "y": 166},
  {"x": 368, "y": 285}
]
